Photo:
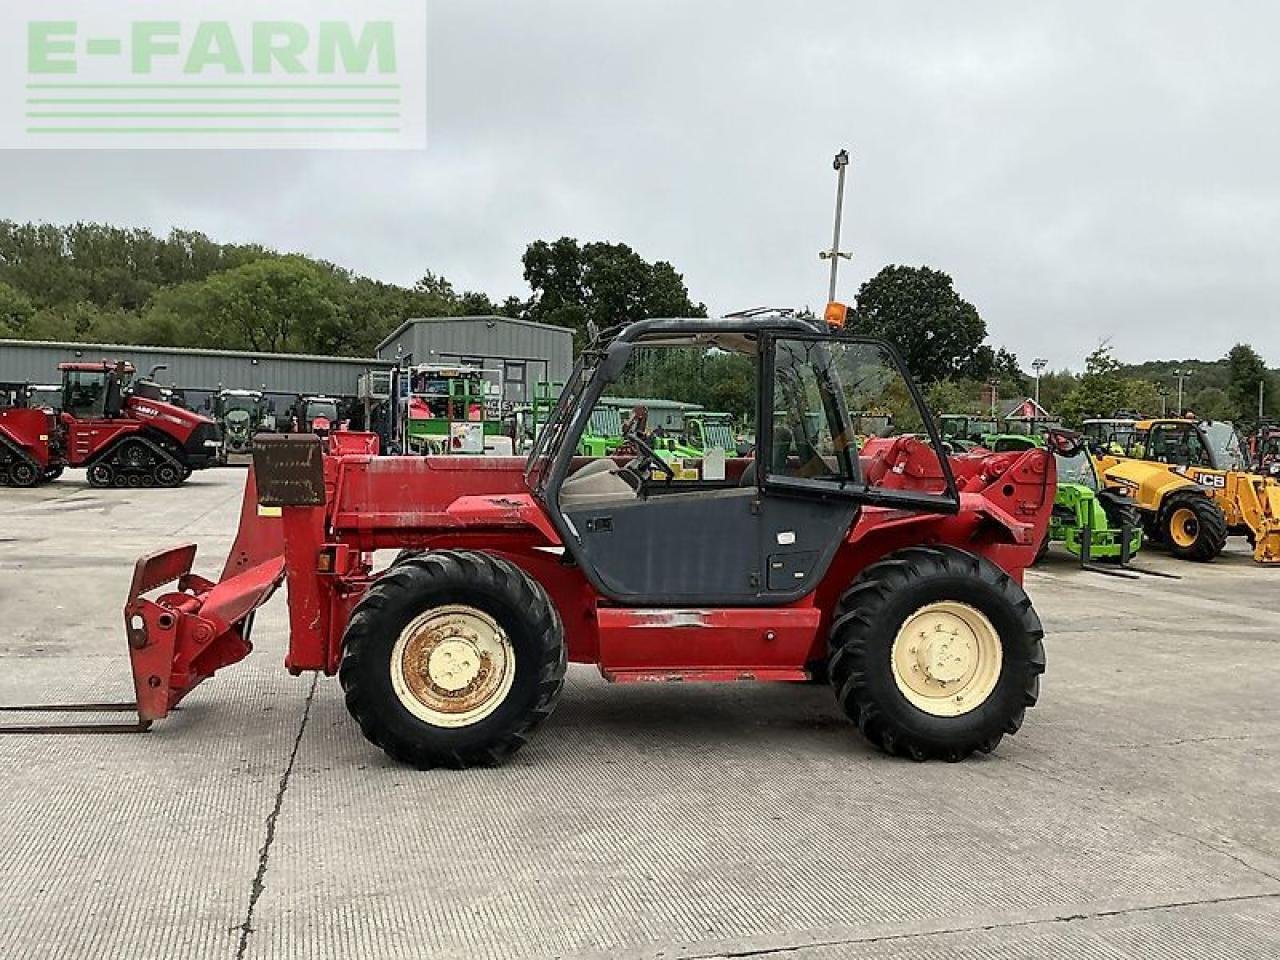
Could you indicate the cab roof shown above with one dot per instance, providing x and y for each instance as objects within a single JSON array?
[{"x": 100, "y": 366}]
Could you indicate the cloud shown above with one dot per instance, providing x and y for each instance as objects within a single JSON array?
[{"x": 1084, "y": 170}]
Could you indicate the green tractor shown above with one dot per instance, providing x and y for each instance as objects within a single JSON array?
[
  {"x": 963, "y": 431},
  {"x": 242, "y": 414},
  {"x": 1090, "y": 521},
  {"x": 448, "y": 410},
  {"x": 710, "y": 431}
]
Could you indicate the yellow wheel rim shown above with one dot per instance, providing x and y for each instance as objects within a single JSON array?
[
  {"x": 1184, "y": 527},
  {"x": 947, "y": 658},
  {"x": 452, "y": 666}
]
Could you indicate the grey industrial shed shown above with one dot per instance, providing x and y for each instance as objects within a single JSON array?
[
  {"x": 196, "y": 371},
  {"x": 525, "y": 352}
]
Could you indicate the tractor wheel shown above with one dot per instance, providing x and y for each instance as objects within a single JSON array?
[
  {"x": 452, "y": 659},
  {"x": 936, "y": 653},
  {"x": 23, "y": 474},
  {"x": 1043, "y": 551},
  {"x": 1193, "y": 527},
  {"x": 100, "y": 475},
  {"x": 167, "y": 475}
]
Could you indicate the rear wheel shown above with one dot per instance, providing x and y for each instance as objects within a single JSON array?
[
  {"x": 100, "y": 475},
  {"x": 452, "y": 658},
  {"x": 1193, "y": 527},
  {"x": 936, "y": 653},
  {"x": 23, "y": 474}
]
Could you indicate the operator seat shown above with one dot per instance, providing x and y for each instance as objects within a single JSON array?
[{"x": 599, "y": 480}]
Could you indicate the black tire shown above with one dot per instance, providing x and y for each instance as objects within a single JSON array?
[
  {"x": 1043, "y": 551},
  {"x": 167, "y": 475},
  {"x": 100, "y": 474},
  {"x": 1207, "y": 526},
  {"x": 867, "y": 622},
  {"x": 24, "y": 474},
  {"x": 437, "y": 578}
]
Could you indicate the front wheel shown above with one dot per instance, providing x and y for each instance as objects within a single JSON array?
[
  {"x": 936, "y": 653},
  {"x": 1194, "y": 527},
  {"x": 452, "y": 659}
]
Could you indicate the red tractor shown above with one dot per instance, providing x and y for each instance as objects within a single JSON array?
[
  {"x": 892, "y": 572},
  {"x": 123, "y": 435}
]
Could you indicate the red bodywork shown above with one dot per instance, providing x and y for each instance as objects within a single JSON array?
[
  {"x": 32, "y": 432},
  {"x": 87, "y": 438},
  {"x": 325, "y": 552}
]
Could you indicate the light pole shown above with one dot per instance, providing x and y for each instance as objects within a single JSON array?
[
  {"x": 995, "y": 396},
  {"x": 1182, "y": 375},
  {"x": 1164, "y": 399},
  {"x": 834, "y": 255},
  {"x": 1037, "y": 365}
]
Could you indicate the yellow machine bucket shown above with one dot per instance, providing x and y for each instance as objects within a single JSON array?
[{"x": 1258, "y": 499}]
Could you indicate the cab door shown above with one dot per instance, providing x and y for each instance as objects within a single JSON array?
[{"x": 770, "y": 540}]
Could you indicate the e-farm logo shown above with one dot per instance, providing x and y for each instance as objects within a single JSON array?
[{"x": 235, "y": 74}]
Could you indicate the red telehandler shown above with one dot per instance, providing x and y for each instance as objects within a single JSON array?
[
  {"x": 124, "y": 434},
  {"x": 891, "y": 571}
]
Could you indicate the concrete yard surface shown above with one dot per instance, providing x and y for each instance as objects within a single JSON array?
[{"x": 1137, "y": 813}]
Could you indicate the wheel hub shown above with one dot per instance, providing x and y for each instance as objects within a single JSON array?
[
  {"x": 947, "y": 658},
  {"x": 452, "y": 666}
]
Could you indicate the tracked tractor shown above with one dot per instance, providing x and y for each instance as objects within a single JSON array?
[
  {"x": 894, "y": 571},
  {"x": 119, "y": 434}
]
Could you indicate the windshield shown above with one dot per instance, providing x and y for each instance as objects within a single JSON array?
[
  {"x": 247, "y": 404},
  {"x": 718, "y": 435},
  {"x": 1228, "y": 449},
  {"x": 1077, "y": 469},
  {"x": 552, "y": 436}
]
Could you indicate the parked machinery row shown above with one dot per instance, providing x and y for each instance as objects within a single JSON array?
[
  {"x": 1177, "y": 482},
  {"x": 124, "y": 434}
]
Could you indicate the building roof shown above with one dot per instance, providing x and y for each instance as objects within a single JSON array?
[
  {"x": 1027, "y": 409},
  {"x": 107, "y": 349},
  {"x": 487, "y": 317}
]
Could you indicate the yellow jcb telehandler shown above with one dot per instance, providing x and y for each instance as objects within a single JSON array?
[{"x": 1162, "y": 456}]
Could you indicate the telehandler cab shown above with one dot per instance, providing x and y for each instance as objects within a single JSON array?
[{"x": 892, "y": 569}]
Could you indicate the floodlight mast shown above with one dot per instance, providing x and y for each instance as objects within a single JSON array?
[{"x": 840, "y": 163}]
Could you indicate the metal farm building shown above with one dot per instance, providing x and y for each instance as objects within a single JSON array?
[
  {"x": 198, "y": 373},
  {"x": 524, "y": 352}
]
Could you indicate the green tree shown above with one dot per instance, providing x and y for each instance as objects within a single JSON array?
[
  {"x": 1142, "y": 396},
  {"x": 1102, "y": 389},
  {"x": 937, "y": 331},
  {"x": 1212, "y": 403},
  {"x": 600, "y": 283},
  {"x": 16, "y": 309},
  {"x": 282, "y": 305},
  {"x": 1247, "y": 373}
]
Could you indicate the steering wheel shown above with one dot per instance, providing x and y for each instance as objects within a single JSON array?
[{"x": 648, "y": 460}]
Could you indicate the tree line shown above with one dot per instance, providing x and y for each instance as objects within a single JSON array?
[{"x": 90, "y": 282}]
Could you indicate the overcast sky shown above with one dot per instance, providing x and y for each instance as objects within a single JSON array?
[{"x": 1084, "y": 170}]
